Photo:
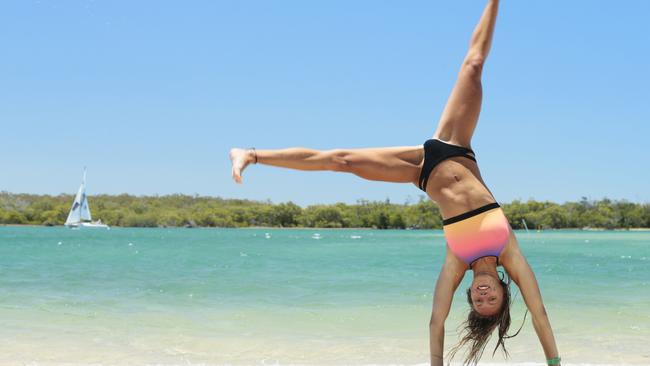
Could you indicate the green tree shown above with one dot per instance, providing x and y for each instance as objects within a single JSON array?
[
  {"x": 286, "y": 214},
  {"x": 554, "y": 217}
]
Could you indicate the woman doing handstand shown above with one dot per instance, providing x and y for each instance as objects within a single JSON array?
[{"x": 479, "y": 237}]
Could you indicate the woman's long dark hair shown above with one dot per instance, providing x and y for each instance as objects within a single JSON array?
[{"x": 478, "y": 328}]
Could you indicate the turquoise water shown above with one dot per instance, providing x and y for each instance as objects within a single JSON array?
[{"x": 304, "y": 296}]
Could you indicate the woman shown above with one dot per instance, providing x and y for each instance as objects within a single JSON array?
[{"x": 478, "y": 235}]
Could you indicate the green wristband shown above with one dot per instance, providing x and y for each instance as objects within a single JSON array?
[{"x": 554, "y": 361}]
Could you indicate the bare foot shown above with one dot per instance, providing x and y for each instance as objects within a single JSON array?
[{"x": 240, "y": 158}]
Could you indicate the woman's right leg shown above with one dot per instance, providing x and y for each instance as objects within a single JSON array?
[
  {"x": 460, "y": 116},
  {"x": 388, "y": 164}
]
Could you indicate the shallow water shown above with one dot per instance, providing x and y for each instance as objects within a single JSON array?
[{"x": 296, "y": 296}]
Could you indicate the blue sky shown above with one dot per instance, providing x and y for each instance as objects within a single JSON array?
[{"x": 150, "y": 95}]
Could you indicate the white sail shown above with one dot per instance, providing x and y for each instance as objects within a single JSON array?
[
  {"x": 79, "y": 215},
  {"x": 75, "y": 211},
  {"x": 85, "y": 210}
]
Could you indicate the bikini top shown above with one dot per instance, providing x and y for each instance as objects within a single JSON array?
[{"x": 482, "y": 232}]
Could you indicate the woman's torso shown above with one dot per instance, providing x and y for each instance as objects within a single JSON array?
[
  {"x": 475, "y": 226},
  {"x": 456, "y": 185}
]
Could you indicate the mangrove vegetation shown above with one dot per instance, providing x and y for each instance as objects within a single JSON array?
[{"x": 190, "y": 211}]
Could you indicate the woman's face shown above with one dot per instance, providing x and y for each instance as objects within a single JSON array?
[{"x": 486, "y": 294}]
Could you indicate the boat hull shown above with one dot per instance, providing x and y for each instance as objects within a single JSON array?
[{"x": 87, "y": 225}]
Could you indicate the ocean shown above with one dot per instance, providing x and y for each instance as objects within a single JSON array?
[{"x": 297, "y": 297}]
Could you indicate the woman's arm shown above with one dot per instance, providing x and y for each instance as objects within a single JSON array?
[
  {"x": 452, "y": 272},
  {"x": 520, "y": 272}
]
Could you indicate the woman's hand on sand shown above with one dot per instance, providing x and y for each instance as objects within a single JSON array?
[{"x": 240, "y": 158}]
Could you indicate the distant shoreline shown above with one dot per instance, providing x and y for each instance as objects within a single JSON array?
[
  {"x": 637, "y": 229},
  {"x": 198, "y": 211}
]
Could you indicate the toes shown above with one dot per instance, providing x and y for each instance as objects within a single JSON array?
[
  {"x": 236, "y": 175},
  {"x": 237, "y": 164}
]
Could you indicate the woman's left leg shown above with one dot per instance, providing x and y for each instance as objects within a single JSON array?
[{"x": 387, "y": 164}]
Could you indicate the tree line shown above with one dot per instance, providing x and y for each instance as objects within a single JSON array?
[{"x": 188, "y": 211}]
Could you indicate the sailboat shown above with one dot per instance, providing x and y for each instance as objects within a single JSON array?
[{"x": 79, "y": 216}]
